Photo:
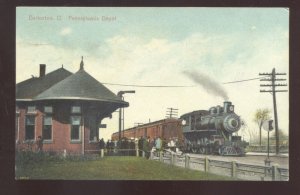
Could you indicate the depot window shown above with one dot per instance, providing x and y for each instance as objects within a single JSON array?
[
  {"x": 75, "y": 128},
  {"x": 48, "y": 109},
  {"x": 31, "y": 109},
  {"x": 30, "y": 127},
  {"x": 75, "y": 109},
  {"x": 47, "y": 128}
]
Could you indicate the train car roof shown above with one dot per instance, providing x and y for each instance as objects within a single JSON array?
[
  {"x": 167, "y": 120},
  {"x": 196, "y": 112}
]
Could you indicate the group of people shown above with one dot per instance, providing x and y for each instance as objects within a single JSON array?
[
  {"x": 156, "y": 144},
  {"x": 124, "y": 147},
  {"x": 127, "y": 147}
]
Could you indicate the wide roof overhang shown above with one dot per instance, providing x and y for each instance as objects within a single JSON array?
[{"x": 79, "y": 98}]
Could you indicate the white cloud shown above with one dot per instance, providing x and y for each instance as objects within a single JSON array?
[
  {"x": 65, "y": 31},
  {"x": 133, "y": 60},
  {"x": 253, "y": 28}
]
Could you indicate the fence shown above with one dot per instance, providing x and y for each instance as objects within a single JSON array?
[
  {"x": 263, "y": 148},
  {"x": 232, "y": 169},
  {"x": 120, "y": 152}
]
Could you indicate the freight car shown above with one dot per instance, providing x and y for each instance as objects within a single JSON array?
[
  {"x": 211, "y": 131},
  {"x": 166, "y": 129}
]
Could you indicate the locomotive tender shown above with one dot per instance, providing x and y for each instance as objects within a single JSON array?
[{"x": 211, "y": 131}]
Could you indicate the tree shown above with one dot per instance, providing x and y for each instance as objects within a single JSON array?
[
  {"x": 245, "y": 130},
  {"x": 282, "y": 136},
  {"x": 261, "y": 115}
]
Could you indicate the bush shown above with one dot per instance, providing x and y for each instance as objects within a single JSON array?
[
  {"x": 81, "y": 157},
  {"x": 24, "y": 158}
]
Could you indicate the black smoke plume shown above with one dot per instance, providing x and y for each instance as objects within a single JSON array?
[{"x": 209, "y": 84}]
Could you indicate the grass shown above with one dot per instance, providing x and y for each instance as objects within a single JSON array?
[{"x": 111, "y": 168}]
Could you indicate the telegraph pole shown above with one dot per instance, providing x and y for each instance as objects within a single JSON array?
[
  {"x": 273, "y": 91},
  {"x": 172, "y": 113}
]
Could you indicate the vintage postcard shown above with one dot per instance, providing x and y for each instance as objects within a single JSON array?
[{"x": 123, "y": 93}]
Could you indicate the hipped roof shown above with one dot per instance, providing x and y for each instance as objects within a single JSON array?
[
  {"x": 80, "y": 86},
  {"x": 30, "y": 88},
  {"x": 63, "y": 85}
]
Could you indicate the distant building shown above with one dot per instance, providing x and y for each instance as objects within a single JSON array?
[
  {"x": 166, "y": 129},
  {"x": 65, "y": 109}
]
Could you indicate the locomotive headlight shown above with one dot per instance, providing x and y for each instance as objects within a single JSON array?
[
  {"x": 232, "y": 123},
  {"x": 183, "y": 122},
  {"x": 231, "y": 108}
]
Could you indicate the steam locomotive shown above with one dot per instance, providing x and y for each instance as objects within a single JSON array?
[{"x": 211, "y": 131}]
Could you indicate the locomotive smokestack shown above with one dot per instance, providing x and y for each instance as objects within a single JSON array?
[{"x": 227, "y": 106}]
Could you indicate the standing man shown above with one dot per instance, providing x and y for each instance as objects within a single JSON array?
[
  {"x": 108, "y": 147},
  {"x": 158, "y": 144},
  {"x": 146, "y": 147},
  {"x": 39, "y": 143},
  {"x": 101, "y": 144},
  {"x": 140, "y": 145}
]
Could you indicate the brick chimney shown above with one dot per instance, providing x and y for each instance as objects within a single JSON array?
[{"x": 42, "y": 70}]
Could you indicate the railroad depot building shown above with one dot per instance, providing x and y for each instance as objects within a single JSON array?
[
  {"x": 66, "y": 109},
  {"x": 170, "y": 128}
]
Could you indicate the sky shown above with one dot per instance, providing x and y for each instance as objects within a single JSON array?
[{"x": 162, "y": 46}]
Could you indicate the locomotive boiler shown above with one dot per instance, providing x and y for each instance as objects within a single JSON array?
[{"x": 211, "y": 131}]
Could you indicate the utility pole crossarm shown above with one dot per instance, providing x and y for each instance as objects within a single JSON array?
[
  {"x": 280, "y": 73},
  {"x": 171, "y": 113},
  {"x": 271, "y": 79},
  {"x": 270, "y": 85},
  {"x": 263, "y": 91},
  {"x": 264, "y": 74},
  {"x": 265, "y": 79},
  {"x": 270, "y": 74}
]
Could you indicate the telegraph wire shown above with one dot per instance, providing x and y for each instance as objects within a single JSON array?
[
  {"x": 178, "y": 86},
  {"x": 156, "y": 86},
  {"x": 239, "y": 81}
]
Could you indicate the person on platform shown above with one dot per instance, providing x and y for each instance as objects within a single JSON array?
[
  {"x": 101, "y": 144},
  {"x": 146, "y": 147},
  {"x": 109, "y": 147},
  {"x": 39, "y": 143},
  {"x": 158, "y": 144},
  {"x": 140, "y": 145},
  {"x": 132, "y": 148}
]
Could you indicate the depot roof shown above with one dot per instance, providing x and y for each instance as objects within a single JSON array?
[
  {"x": 30, "y": 88},
  {"x": 77, "y": 86}
]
